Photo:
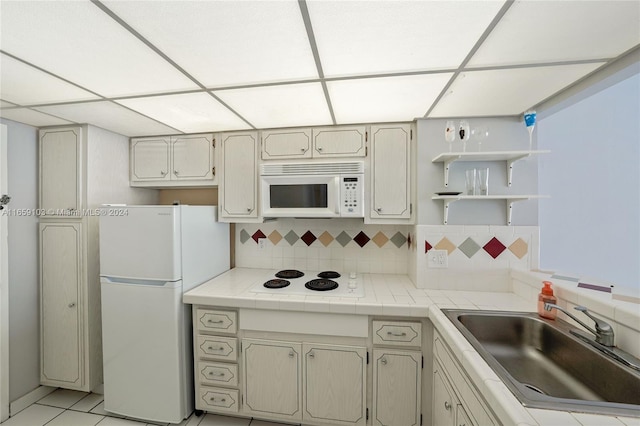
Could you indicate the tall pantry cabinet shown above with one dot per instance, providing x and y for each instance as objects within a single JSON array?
[{"x": 80, "y": 168}]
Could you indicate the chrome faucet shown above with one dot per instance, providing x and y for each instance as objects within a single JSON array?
[{"x": 603, "y": 332}]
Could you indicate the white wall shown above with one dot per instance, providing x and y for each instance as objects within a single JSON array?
[
  {"x": 591, "y": 224},
  {"x": 24, "y": 364}
]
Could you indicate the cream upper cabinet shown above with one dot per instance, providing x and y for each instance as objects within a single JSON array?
[
  {"x": 330, "y": 142},
  {"x": 272, "y": 380},
  {"x": 238, "y": 191},
  {"x": 334, "y": 383},
  {"x": 390, "y": 190},
  {"x": 286, "y": 143},
  {"x": 396, "y": 387},
  {"x": 342, "y": 141},
  {"x": 173, "y": 161},
  {"x": 62, "y": 305},
  {"x": 61, "y": 170}
]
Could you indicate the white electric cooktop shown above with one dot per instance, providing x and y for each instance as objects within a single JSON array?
[{"x": 310, "y": 283}]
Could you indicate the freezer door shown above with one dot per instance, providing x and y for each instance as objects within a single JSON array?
[{"x": 142, "y": 242}]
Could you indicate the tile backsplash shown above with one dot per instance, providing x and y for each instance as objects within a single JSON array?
[{"x": 320, "y": 244}]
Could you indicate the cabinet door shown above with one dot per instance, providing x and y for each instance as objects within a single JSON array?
[
  {"x": 237, "y": 195},
  {"x": 396, "y": 387},
  {"x": 443, "y": 400},
  {"x": 272, "y": 382},
  {"x": 60, "y": 169},
  {"x": 150, "y": 160},
  {"x": 334, "y": 383},
  {"x": 390, "y": 172},
  {"x": 60, "y": 304},
  {"x": 192, "y": 157},
  {"x": 283, "y": 144},
  {"x": 346, "y": 141}
]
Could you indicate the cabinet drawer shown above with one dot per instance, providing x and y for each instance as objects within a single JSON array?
[
  {"x": 217, "y": 347},
  {"x": 217, "y": 373},
  {"x": 218, "y": 399},
  {"x": 217, "y": 321},
  {"x": 397, "y": 333}
]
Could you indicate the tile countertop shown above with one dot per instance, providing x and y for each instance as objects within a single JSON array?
[{"x": 396, "y": 295}]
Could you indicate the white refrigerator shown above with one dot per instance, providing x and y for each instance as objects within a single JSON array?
[{"x": 149, "y": 256}]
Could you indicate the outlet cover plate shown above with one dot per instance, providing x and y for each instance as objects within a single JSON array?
[{"x": 437, "y": 259}]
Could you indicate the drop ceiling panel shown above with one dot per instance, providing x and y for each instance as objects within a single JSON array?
[
  {"x": 224, "y": 43},
  {"x": 368, "y": 37},
  {"x": 280, "y": 106},
  {"x": 25, "y": 85},
  {"x": 506, "y": 92},
  {"x": 5, "y": 104},
  {"x": 550, "y": 31},
  {"x": 194, "y": 112},
  {"x": 385, "y": 99},
  {"x": 110, "y": 116},
  {"x": 77, "y": 41},
  {"x": 31, "y": 117}
]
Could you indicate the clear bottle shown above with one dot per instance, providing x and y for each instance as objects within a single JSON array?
[{"x": 546, "y": 296}]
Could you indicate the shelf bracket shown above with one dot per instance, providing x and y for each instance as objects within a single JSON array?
[
  {"x": 446, "y": 170},
  {"x": 446, "y": 210},
  {"x": 510, "y": 167}
]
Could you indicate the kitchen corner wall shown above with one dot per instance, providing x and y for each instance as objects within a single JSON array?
[{"x": 343, "y": 245}]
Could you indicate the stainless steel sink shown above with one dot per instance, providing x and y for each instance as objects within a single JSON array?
[{"x": 546, "y": 366}]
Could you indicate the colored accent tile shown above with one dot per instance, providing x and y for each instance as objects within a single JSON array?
[
  {"x": 409, "y": 241},
  {"x": 380, "y": 239},
  {"x": 519, "y": 248},
  {"x": 398, "y": 239},
  {"x": 291, "y": 237},
  {"x": 244, "y": 236},
  {"x": 494, "y": 247},
  {"x": 427, "y": 246},
  {"x": 275, "y": 237},
  {"x": 325, "y": 238},
  {"x": 595, "y": 287},
  {"x": 308, "y": 238},
  {"x": 565, "y": 278},
  {"x": 469, "y": 247},
  {"x": 361, "y": 239},
  {"x": 445, "y": 244},
  {"x": 343, "y": 238},
  {"x": 257, "y": 235}
]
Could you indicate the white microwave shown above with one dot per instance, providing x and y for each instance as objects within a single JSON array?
[{"x": 312, "y": 189}]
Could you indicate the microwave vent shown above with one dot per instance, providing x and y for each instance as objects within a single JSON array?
[{"x": 355, "y": 167}]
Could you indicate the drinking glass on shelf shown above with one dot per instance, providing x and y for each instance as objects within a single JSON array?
[
  {"x": 470, "y": 180},
  {"x": 464, "y": 133},
  {"x": 480, "y": 134},
  {"x": 483, "y": 181},
  {"x": 450, "y": 133}
]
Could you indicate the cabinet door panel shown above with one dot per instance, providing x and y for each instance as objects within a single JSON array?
[
  {"x": 61, "y": 357},
  {"x": 272, "y": 382},
  {"x": 334, "y": 384},
  {"x": 390, "y": 172},
  {"x": 443, "y": 400},
  {"x": 283, "y": 144},
  {"x": 238, "y": 190},
  {"x": 396, "y": 387},
  {"x": 192, "y": 157},
  {"x": 60, "y": 155},
  {"x": 150, "y": 159},
  {"x": 339, "y": 142}
]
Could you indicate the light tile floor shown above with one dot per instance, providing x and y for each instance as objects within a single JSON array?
[{"x": 72, "y": 408}]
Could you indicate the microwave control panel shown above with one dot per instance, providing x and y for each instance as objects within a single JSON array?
[{"x": 351, "y": 196}]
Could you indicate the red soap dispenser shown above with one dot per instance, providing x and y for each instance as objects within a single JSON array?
[{"x": 546, "y": 296}]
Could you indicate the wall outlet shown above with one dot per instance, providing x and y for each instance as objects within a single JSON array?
[
  {"x": 437, "y": 259},
  {"x": 262, "y": 243}
]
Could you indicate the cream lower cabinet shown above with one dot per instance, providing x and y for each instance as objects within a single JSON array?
[
  {"x": 272, "y": 379},
  {"x": 396, "y": 387}
]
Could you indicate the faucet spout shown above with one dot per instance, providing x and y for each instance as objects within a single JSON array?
[{"x": 603, "y": 331}]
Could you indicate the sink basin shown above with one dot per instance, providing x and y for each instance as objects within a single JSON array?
[{"x": 545, "y": 366}]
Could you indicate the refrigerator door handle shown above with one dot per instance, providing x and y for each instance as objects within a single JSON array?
[{"x": 130, "y": 281}]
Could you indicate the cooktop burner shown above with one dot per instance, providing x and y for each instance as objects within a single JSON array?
[
  {"x": 277, "y": 283},
  {"x": 289, "y": 273},
  {"x": 329, "y": 274},
  {"x": 321, "y": 285}
]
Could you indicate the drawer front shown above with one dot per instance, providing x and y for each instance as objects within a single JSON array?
[
  {"x": 217, "y": 373},
  {"x": 217, "y": 321},
  {"x": 397, "y": 333},
  {"x": 217, "y": 347},
  {"x": 218, "y": 399}
]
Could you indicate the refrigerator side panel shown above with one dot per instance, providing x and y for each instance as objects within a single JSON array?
[
  {"x": 205, "y": 245},
  {"x": 141, "y": 243}
]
